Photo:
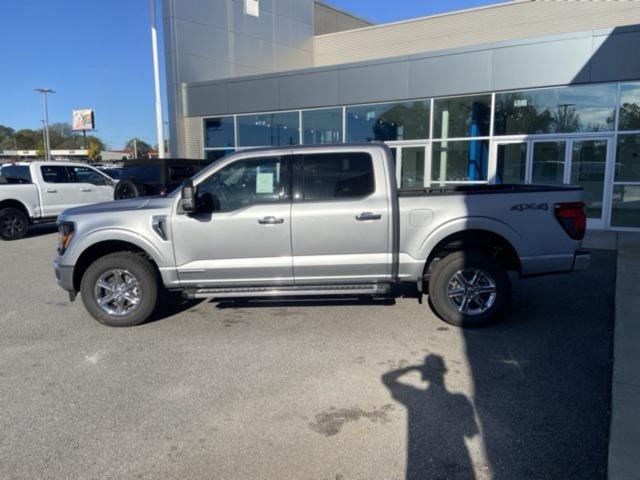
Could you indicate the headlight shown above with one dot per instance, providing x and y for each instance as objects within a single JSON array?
[{"x": 65, "y": 234}]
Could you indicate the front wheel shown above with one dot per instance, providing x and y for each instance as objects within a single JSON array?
[
  {"x": 120, "y": 289},
  {"x": 469, "y": 289},
  {"x": 13, "y": 224}
]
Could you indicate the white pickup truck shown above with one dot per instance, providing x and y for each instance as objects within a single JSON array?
[{"x": 37, "y": 192}]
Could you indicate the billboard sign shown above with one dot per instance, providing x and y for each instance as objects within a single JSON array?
[{"x": 83, "y": 119}]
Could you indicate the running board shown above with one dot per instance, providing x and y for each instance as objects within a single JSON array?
[{"x": 289, "y": 291}]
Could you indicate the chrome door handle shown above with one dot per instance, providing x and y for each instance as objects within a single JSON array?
[
  {"x": 368, "y": 216},
  {"x": 52, "y": 191},
  {"x": 270, "y": 221},
  {"x": 86, "y": 190}
]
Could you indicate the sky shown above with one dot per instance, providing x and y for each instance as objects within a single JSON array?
[{"x": 97, "y": 54}]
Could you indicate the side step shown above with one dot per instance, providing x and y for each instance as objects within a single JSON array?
[{"x": 289, "y": 291}]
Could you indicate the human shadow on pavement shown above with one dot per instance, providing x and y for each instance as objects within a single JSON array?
[{"x": 438, "y": 422}]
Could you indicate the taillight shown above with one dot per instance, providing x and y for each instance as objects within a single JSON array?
[{"x": 572, "y": 218}]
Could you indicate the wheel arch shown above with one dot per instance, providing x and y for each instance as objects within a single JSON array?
[
  {"x": 478, "y": 239},
  {"x": 100, "y": 249},
  {"x": 17, "y": 204}
]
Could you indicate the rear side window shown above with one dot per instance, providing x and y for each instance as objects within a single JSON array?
[
  {"x": 16, "y": 172},
  {"x": 331, "y": 176},
  {"x": 55, "y": 174}
]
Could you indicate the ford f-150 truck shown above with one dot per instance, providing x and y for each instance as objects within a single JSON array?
[
  {"x": 38, "y": 192},
  {"x": 318, "y": 221}
]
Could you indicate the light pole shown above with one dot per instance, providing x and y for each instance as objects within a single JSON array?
[
  {"x": 47, "y": 147},
  {"x": 156, "y": 78}
]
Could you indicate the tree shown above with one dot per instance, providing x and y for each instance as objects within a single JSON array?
[
  {"x": 61, "y": 135},
  {"x": 141, "y": 146},
  {"x": 94, "y": 150}
]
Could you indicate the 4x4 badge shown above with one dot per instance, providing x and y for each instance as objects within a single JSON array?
[{"x": 521, "y": 207}]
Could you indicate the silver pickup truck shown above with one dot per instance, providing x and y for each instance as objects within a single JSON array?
[
  {"x": 37, "y": 192},
  {"x": 318, "y": 221}
]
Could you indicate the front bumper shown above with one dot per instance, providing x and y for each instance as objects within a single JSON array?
[
  {"x": 581, "y": 260},
  {"x": 64, "y": 275}
]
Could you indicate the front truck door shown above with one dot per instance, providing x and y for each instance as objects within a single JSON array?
[
  {"x": 241, "y": 233},
  {"x": 91, "y": 185},
  {"x": 57, "y": 189},
  {"x": 341, "y": 219}
]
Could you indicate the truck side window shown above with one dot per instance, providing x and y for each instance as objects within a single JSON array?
[
  {"x": 244, "y": 183},
  {"x": 87, "y": 175},
  {"x": 55, "y": 174},
  {"x": 330, "y": 176}
]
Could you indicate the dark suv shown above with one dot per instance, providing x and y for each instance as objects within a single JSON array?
[{"x": 141, "y": 178}]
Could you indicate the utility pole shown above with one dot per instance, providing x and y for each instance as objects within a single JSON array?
[
  {"x": 44, "y": 136},
  {"x": 135, "y": 148},
  {"x": 156, "y": 78},
  {"x": 47, "y": 147}
]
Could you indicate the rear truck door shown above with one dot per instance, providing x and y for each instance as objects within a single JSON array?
[
  {"x": 241, "y": 232},
  {"x": 341, "y": 218}
]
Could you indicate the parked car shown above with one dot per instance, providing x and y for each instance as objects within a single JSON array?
[
  {"x": 38, "y": 192},
  {"x": 141, "y": 178},
  {"x": 318, "y": 221}
]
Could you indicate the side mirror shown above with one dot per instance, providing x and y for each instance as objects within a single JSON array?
[{"x": 188, "y": 200}]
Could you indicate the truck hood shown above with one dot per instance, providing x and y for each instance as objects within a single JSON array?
[{"x": 146, "y": 203}]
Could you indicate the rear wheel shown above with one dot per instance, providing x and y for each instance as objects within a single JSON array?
[
  {"x": 120, "y": 289},
  {"x": 469, "y": 289},
  {"x": 13, "y": 224}
]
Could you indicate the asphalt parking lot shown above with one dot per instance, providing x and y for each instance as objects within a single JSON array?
[{"x": 305, "y": 390}]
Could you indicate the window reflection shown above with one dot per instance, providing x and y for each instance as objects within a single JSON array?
[
  {"x": 322, "y": 126},
  {"x": 268, "y": 129},
  {"x": 628, "y": 159},
  {"x": 511, "y": 163},
  {"x": 388, "y": 122},
  {"x": 462, "y": 116},
  {"x": 219, "y": 132},
  {"x": 460, "y": 161},
  {"x": 556, "y": 110},
  {"x": 548, "y": 162},
  {"x": 629, "y": 107}
]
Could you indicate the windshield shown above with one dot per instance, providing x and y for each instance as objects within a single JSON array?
[{"x": 20, "y": 172}]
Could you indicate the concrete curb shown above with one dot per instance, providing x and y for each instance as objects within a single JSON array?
[{"x": 624, "y": 436}]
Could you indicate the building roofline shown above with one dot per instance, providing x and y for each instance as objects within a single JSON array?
[
  {"x": 344, "y": 12},
  {"x": 502, "y": 4}
]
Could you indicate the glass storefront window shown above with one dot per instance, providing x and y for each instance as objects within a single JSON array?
[
  {"x": 625, "y": 210},
  {"x": 219, "y": 132},
  {"x": 548, "y": 162},
  {"x": 627, "y": 168},
  {"x": 268, "y": 129},
  {"x": 588, "y": 162},
  {"x": 460, "y": 161},
  {"x": 629, "y": 107},
  {"x": 412, "y": 168},
  {"x": 512, "y": 163},
  {"x": 322, "y": 126},
  {"x": 462, "y": 117},
  {"x": 388, "y": 122},
  {"x": 556, "y": 110}
]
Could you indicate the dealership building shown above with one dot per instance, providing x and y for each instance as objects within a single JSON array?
[{"x": 517, "y": 92}]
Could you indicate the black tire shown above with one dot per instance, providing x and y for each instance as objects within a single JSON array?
[
  {"x": 452, "y": 309},
  {"x": 14, "y": 224},
  {"x": 147, "y": 291},
  {"x": 128, "y": 189}
]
